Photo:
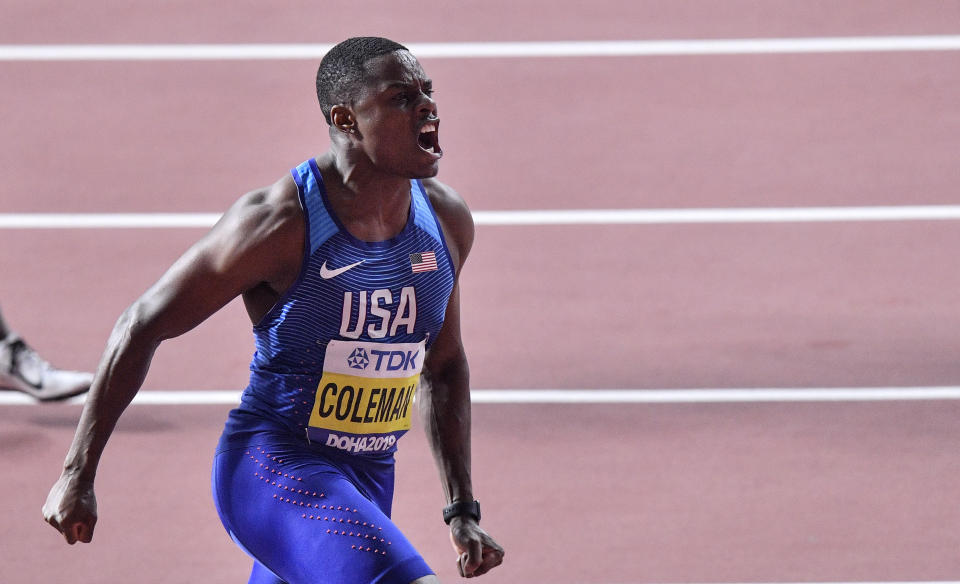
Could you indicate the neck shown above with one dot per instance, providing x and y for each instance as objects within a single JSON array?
[
  {"x": 364, "y": 183},
  {"x": 372, "y": 205}
]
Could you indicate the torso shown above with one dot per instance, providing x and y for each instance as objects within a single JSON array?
[{"x": 339, "y": 354}]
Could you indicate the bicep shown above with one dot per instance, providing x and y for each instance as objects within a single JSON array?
[
  {"x": 191, "y": 290},
  {"x": 244, "y": 249},
  {"x": 446, "y": 355},
  {"x": 447, "y": 358}
]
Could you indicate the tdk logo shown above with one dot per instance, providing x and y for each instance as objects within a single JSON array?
[
  {"x": 358, "y": 359},
  {"x": 384, "y": 360}
]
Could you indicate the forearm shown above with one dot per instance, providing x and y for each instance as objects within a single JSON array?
[
  {"x": 119, "y": 376},
  {"x": 445, "y": 410}
]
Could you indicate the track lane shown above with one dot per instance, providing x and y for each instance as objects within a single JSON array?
[
  {"x": 736, "y": 131},
  {"x": 777, "y": 305},
  {"x": 249, "y": 21},
  {"x": 665, "y": 493}
]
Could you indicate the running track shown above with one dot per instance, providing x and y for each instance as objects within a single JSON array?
[{"x": 578, "y": 493}]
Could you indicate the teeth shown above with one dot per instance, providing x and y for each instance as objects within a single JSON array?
[{"x": 428, "y": 128}]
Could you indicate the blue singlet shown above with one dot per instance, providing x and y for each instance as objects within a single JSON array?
[{"x": 303, "y": 477}]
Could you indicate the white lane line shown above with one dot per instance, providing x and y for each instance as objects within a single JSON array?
[
  {"x": 105, "y": 220},
  {"x": 852, "y": 582},
  {"x": 705, "y": 396},
  {"x": 727, "y": 215},
  {"x": 527, "y": 217},
  {"x": 593, "y": 396},
  {"x": 621, "y": 48}
]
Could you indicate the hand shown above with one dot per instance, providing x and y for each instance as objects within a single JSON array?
[
  {"x": 71, "y": 508},
  {"x": 477, "y": 552}
]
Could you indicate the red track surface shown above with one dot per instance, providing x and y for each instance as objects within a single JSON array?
[{"x": 577, "y": 494}]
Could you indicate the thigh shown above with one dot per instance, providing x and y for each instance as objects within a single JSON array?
[
  {"x": 306, "y": 522},
  {"x": 260, "y": 575}
]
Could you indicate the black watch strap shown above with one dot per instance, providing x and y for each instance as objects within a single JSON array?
[{"x": 458, "y": 508}]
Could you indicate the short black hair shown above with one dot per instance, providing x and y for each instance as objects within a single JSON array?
[{"x": 342, "y": 68}]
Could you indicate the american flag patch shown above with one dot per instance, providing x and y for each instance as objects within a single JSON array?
[{"x": 425, "y": 261}]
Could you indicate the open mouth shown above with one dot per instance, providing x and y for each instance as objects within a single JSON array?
[{"x": 429, "y": 139}]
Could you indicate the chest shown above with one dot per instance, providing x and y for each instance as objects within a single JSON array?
[{"x": 387, "y": 293}]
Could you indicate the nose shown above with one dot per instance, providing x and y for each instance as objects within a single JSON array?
[{"x": 427, "y": 106}]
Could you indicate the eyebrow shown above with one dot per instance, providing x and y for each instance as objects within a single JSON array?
[{"x": 406, "y": 84}]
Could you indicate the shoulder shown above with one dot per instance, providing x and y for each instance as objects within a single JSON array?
[
  {"x": 264, "y": 227},
  {"x": 279, "y": 202},
  {"x": 455, "y": 217}
]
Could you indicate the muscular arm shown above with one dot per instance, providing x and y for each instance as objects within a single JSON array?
[
  {"x": 444, "y": 400},
  {"x": 257, "y": 243},
  {"x": 444, "y": 404}
]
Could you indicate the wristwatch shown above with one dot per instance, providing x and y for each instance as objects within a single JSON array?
[{"x": 458, "y": 508}]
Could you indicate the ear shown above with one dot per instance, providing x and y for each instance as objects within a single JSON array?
[{"x": 343, "y": 120}]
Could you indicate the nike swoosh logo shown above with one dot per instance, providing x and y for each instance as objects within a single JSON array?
[{"x": 326, "y": 273}]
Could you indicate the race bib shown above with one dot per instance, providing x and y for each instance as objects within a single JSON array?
[{"x": 365, "y": 396}]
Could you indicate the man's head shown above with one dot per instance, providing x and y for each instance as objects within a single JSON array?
[
  {"x": 342, "y": 72},
  {"x": 378, "y": 102}
]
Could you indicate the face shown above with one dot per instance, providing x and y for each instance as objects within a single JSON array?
[{"x": 396, "y": 118}]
